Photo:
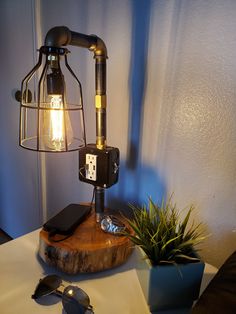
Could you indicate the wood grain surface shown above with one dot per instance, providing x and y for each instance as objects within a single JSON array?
[{"x": 89, "y": 249}]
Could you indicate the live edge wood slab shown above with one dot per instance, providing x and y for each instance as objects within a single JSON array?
[{"x": 88, "y": 250}]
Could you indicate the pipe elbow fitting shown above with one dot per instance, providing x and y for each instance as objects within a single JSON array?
[
  {"x": 58, "y": 36},
  {"x": 100, "y": 50}
]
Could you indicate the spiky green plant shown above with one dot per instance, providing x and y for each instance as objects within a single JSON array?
[{"x": 163, "y": 236}]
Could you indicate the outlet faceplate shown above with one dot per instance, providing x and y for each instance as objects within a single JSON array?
[
  {"x": 91, "y": 167},
  {"x": 106, "y": 162}
]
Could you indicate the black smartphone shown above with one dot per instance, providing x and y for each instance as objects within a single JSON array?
[{"x": 67, "y": 220}]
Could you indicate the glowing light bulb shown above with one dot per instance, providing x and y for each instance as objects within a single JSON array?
[{"x": 54, "y": 123}]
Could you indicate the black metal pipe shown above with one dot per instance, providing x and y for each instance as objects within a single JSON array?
[
  {"x": 62, "y": 36},
  {"x": 99, "y": 202},
  {"x": 100, "y": 76},
  {"x": 92, "y": 42},
  {"x": 58, "y": 36}
]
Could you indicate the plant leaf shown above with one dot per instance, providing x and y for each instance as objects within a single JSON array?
[{"x": 163, "y": 236}]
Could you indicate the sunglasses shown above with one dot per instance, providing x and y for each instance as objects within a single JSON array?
[{"x": 74, "y": 299}]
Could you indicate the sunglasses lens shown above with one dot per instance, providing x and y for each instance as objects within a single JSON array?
[
  {"x": 76, "y": 301},
  {"x": 46, "y": 286}
]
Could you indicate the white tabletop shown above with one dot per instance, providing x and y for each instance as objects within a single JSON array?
[{"x": 113, "y": 291}]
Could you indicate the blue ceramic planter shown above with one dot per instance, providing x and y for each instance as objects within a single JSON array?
[{"x": 169, "y": 287}]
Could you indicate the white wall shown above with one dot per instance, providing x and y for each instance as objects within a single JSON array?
[
  {"x": 190, "y": 98},
  {"x": 19, "y": 179},
  {"x": 171, "y": 107}
]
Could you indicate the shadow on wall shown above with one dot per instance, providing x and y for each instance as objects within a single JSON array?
[
  {"x": 137, "y": 181},
  {"x": 135, "y": 187},
  {"x": 137, "y": 77}
]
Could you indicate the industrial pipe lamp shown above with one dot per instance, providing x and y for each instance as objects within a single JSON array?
[{"x": 52, "y": 116}]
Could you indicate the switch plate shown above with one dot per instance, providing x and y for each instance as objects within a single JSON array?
[{"x": 91, "y": 167}]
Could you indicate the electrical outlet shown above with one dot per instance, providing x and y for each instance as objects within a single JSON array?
[{"x": 91, "y": 167}]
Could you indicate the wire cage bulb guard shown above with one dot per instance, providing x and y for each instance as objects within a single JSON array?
[{"x": 51, "y": 120}]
